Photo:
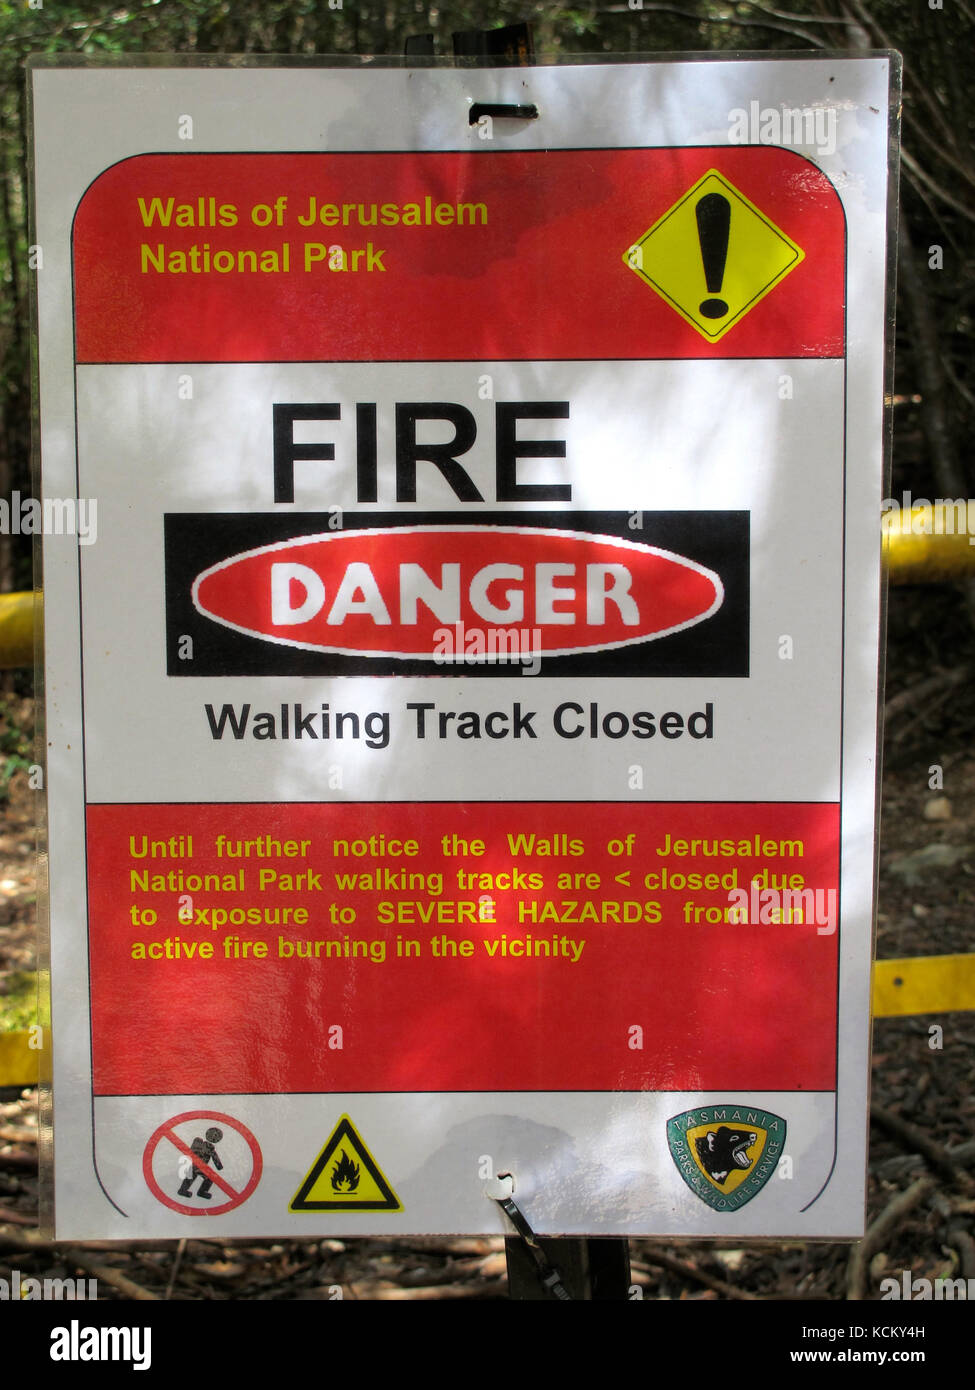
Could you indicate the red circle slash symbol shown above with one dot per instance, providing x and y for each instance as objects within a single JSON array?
[{"x": 197, "y": 1151}]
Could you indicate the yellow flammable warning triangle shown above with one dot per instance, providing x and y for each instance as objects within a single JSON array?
[
  {"x": 713, "y": 256},
  {"x": 345, "y": 1177}
]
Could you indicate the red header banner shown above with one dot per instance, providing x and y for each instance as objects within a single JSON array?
[{"x": 514, "y": 255}]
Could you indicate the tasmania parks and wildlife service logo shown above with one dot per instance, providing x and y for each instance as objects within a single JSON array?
[{"x": 726, "y": 1153}]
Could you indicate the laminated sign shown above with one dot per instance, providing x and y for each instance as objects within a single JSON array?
[{"x": 461, "y": 643}]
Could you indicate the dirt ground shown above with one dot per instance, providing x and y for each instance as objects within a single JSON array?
[{"x": 921, "y": 1192}]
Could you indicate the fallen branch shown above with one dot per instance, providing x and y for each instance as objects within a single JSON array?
[
  {"x": 20, "y": 1135},
  {"x": 452, "y": 1272},
  {"x": 958, "y": 1236},
  {"x": 106, "y": 1274},
  {"x": 121, "y": 1247},
  {"x": 689, "y": 1271},
  {"x": 382, "y": 1292},
  {"x": 73, "y": 1255},
  {"x": 936, "y": 1155},
  {"x": 177, "y": 1261},
  {"x": 864, "y": 1250},
  {"x": 19, "y": 1158},
  {"x": 923, "y": 690},
  {"x": 961, "y": 1239},
  {"x": 16, "y": 1217}
]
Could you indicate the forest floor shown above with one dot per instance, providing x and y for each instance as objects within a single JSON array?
[{"x": 921, "y": 1194}]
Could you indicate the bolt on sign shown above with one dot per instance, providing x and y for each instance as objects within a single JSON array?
[{"x": 462, "y": 729}]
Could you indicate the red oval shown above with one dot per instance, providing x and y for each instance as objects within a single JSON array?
[{"x": 435, "y": 592}]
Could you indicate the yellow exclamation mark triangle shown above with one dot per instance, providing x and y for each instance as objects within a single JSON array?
[
  {"x": 713, "y": 256},
  {"x": 345, "y": 1177}
]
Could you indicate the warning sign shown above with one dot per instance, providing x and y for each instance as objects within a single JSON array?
[
  {"x": 713, "y": 255},
  {"x": 456, "y": 733},
  {"x": 196, "y": 1152},
  {"x": 345, "y": 1177}
]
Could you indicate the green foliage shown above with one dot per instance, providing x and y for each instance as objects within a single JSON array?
[
  {"x": 15, "y": 747},
  {"x": 18, "y": 1001}
]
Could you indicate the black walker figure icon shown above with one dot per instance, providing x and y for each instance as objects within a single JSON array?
[{"x": 206, "y": 1151}]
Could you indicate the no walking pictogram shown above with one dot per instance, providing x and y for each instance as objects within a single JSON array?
[{"x": 197, "y": 1151}]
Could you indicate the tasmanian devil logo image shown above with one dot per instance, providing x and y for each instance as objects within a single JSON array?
[
  {"x": 726, "y": 1151},
  {"x": 723, "y": 1149}
]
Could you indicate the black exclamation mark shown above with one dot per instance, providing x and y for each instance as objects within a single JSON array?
[{"x": 713, "y": 221}]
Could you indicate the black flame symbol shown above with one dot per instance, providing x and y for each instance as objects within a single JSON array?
[{"x": 345, "y": 1174}]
